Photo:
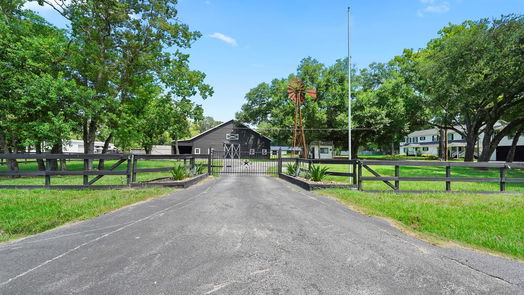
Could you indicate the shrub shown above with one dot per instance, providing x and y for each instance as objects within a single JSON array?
[
  {"x": 317, "y": 173},
  {"x": 179, "y": 172},
  {"x": 199, "y": 169},
  {"x": 291, "y": 168}
]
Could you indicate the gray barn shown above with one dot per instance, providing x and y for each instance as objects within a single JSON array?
[{"x": 228, "y": 136}]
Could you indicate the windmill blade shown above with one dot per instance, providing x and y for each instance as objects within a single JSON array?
[{"x": 312, "y": 93}]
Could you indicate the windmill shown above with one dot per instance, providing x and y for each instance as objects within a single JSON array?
[{"x": 297, "y": 93}]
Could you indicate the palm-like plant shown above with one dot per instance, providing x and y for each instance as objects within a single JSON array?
[{"x": 317, "y": 173}]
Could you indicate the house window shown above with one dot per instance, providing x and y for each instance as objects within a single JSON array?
[
  {"x": 232, "y": 136},
  {"x": 324, "y": 150},
  {"x": 450, "y": 136},
  {"x": 251, "y": 152},
  {"x": 264, "y": 152},
  {"x": 425, "y": 149},
  {"x": 405, "y": 151},
  {"x": 422, "y": 138},
  {"x": 197, "y": 151}
]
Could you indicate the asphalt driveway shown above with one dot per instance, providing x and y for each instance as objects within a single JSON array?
[{"x": 245, "y": 235}]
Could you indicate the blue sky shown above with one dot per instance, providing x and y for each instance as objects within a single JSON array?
[{"x": 246, "y": 42}]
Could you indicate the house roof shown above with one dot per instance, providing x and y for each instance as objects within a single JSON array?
[
  {"x": 217, "y": 127},
  {"x": 434, "y": 131}
]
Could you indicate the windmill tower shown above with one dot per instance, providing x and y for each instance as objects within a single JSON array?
[{"x": 297, "y": 93}]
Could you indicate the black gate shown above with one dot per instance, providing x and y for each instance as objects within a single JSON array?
[{"x": 233, "y": 161}]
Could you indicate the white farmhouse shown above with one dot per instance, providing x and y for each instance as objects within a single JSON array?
[{"x": 426, "y": 142}]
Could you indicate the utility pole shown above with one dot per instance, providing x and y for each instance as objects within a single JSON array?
[{"x": 349, "y": 83}]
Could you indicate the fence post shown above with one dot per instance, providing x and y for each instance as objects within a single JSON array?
[
  {"x": 503, "y": 179},
  {"x": 297, "y": 171},
  {"x": 448, "y": 175},
  {"x": 129, "y": 172},
  {"x": 133, "y": 172},
  {"x": 86, "y": 167},
  {"x": 47, "y": 175},
  {"x": 397, "y": 175},
  {"x": 192, "y": 162},
  {"x": 210, "y": 162},
  {"x": 354, "y": 178},
  {"x": 359, "y": 178},
  {"x": 309, "y": 166},
  {"x": 279, "y": 161}
]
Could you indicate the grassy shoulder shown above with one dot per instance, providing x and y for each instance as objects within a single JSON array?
[
  {"x": 493, "y": 222},
  {"x": 28, "y": 212}
]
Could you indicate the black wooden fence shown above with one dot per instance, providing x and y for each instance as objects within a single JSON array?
[
  {"x": 130, "y": 172},
  {"x": 356, "y": 168}
]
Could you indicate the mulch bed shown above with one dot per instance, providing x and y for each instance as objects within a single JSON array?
[{"x": 312, "y": 185}]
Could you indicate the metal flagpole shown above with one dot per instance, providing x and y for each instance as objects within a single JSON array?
[{"x": 349, "y": 83}]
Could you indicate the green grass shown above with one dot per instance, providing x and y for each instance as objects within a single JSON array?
[
  {"x": 417, "y": 171},
  {"x": 493, "y": 222},
  {"x": 28, "y": 212},
  {"x": 79, "y": 165}
]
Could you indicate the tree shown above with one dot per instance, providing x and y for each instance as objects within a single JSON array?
[
  {"x": 117, "y": 46},
  {"x": 36, "y": 105},
  {"x": 471, "y": 76},
  {"x": 207, "y": 123},
  {"x": 384, "y": 106}
]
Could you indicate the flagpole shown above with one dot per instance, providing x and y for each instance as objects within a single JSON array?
[{"x": 349, "y": 83}]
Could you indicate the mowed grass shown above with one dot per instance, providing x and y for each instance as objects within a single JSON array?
[
  {"x": 105, "y": 180},
  {"x": 417, "y": 171},
  {"x": 28, "y": 212},
  {"x": 493, "y": 222}
]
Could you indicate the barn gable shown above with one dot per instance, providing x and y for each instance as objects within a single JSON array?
[{"x": 225, "y": 134}]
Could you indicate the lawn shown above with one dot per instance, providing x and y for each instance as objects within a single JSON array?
[
  {"x": 28, "y": 212},
  {"x": 79, "y": 165},
  {"x": 418, "y": 171},
  {"x": 492, "y": 222}
]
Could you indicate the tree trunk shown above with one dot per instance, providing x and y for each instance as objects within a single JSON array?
[
  {"x": 441, "y": 144},
  {"x": 55, "y": 149},
  {"x": 40, "y": 162},
  {"x": 489, "y": 145},
  {"x": 469, "y": 153},
  {"x": 13, "y": 164},
  {"x": 104, "y": 150},
  {"x": 511, "y": 153},
  {"x": 177, "y": 150},
  {"x": 446, "y": 145},
  {"x": 89, "y": 136}
]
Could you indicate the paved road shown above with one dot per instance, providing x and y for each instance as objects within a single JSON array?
[{"x": 245, "y": 235}]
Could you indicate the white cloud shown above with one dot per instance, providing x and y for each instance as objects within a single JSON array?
[
  {"x": 227, "y": 39},
  {"x": 433, "y": 7}
]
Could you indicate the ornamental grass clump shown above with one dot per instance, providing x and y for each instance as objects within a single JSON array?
[
  {"x": 292, "y": 169},
  {"x": 317, "y": 173},
  {"x": 179, "y": 172}
]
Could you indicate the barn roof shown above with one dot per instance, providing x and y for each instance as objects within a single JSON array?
[{"x": 219, "y": 126}]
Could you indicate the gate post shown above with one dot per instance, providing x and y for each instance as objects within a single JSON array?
[
  {"x": 359, "y": 179},
  {"x": 209, "y": 162},
  {"x": 279, "y": 161}
]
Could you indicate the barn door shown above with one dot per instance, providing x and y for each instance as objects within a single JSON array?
[{"x": 231, "y": 151}]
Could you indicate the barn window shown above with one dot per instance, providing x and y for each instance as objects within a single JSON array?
[
  {"x": 197, "y": 151},
  {"x": 264, "y": 152},
  {"x": 231, "y": 136},
  {"x": 251, "y": 152}
]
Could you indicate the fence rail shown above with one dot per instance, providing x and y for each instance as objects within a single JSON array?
[
  {"x": 358, "y": 167},
  {"x": 130, "y": 170}
]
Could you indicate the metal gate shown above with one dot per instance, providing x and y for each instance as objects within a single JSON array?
[{"x": 233, "y": 161}]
